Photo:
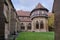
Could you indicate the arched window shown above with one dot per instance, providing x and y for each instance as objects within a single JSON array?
[
  {"x": 37, "y": 25},
  {"x": 22, "y": 26},
  {"x": 41, "y": 25},
  {"x": 29, "y": 26}
]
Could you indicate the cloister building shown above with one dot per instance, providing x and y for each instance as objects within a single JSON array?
[
  {"x": 12, "y": 21},
  {"x": 36, "y": 20},
  {"x": 9, "y": 21}
]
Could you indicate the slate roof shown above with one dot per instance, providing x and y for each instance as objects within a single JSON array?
[{"x": 39, "y": 6}]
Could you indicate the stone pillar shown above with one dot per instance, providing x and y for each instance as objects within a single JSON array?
[
  {"x": 16, "y": 28},
  {"x": 39, "y": 25},
  {"x": 26, "y": 26},
  {"x": 32, "y": 26},
  {"x": 6, "y": 30}
]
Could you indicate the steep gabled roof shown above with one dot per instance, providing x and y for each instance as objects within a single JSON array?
[{"x": 39, "y": 6}]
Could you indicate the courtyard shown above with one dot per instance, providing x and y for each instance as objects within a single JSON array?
[{"x": 35, "y": 36}]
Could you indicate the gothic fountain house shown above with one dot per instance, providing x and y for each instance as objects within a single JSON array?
[{"x": 39, "y": 19}]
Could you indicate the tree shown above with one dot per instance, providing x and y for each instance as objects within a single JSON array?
[{"x": 51, "y": 21}]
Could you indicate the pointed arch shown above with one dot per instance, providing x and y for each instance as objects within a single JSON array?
[
  {"x": 37, "y": 25},
  {"x": 41, "y": 25},
  {"x": 29, "y": 26},
  {"x": 22, "y": 26}
]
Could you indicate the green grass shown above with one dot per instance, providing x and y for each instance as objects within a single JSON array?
[{"x": 36, "y": 36}]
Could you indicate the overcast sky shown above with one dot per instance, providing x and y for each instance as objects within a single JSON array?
[{"x": 29, "y": 5}]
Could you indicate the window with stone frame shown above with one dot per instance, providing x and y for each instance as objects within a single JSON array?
[
  {"x": 43, "y": 12},
  {"x": 37, "y": 25},
  {"x": 41, "y": 25},
  {"x": 22, "y": 26},
  {"x": 29, "y": 26},
  {"x": 40, "y": 12}
]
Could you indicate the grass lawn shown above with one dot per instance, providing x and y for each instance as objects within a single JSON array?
[{"x": 35, "y": 36}]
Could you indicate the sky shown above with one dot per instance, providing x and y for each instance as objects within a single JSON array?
[{"x": 29, "y": 5}]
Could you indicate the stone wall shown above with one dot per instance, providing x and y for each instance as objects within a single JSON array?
[
  {"x": 8, "y": 18},
  {"x": 2, "y": 20},
  {"x": 56, "y": 10}
]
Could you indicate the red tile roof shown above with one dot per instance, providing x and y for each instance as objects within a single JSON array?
[
  {"x": 49, "y": 14},
  {"x": 23, "y": 13},
  {"x": 24, "y": 16}
]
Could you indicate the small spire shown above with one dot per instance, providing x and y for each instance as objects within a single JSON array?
[{"x": 39, "y": 6}]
